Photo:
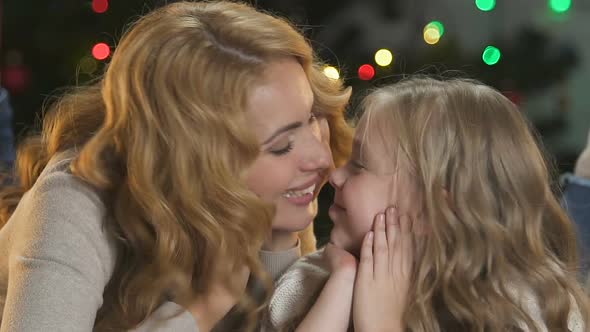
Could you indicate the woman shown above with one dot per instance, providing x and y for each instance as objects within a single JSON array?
[{"x": 140, "y": 185}]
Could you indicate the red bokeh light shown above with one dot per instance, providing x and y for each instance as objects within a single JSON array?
[
  {"x": 366, "y": 72},
  {"x": 101, "y": 51},
  {"x": 16, "y": 78},
  {"x": 100, "y": 6}
]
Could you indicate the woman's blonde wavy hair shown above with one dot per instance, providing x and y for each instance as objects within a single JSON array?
[
  {"x": 163, "y": 137},
  {"x": 495, "y": 226}
]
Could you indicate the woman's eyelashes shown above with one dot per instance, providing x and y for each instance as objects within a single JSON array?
[
  {"x": 283, "y": 150},
  {"x": 286, "y": 148}
]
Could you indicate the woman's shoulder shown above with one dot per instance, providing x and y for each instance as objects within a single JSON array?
[
  {"x": 58, "y": 184},
  {"x": 62, "y": 218}
]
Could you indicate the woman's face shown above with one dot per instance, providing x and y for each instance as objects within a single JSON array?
[
  {"x": 295, "y": 154},
  {"x": 368, "y": 184}
]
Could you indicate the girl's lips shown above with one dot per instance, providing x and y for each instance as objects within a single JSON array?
[{"x": 338, "y": 205}]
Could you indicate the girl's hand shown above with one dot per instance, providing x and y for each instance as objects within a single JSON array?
[
  {"x": 383, "y": 277},
  {"x": 340, "y": 260}
]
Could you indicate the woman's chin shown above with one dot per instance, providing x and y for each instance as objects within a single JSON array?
[{"x": 294, "y": 218}]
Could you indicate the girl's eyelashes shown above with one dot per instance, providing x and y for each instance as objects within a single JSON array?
[
  {"x": 356, "y": 164},
  {"x": 312, "y": 117}
]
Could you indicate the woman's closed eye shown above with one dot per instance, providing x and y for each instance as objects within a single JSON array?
[
  {"x": 286, "y": 147},
  {"x": 282, "y": 150}
]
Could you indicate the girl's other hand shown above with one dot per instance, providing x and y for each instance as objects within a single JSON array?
[{"x": 383, "y": 278}]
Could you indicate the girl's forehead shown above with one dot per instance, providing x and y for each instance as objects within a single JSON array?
[
  {"x": 368, "y": 141},
  {"x": 373, "y": 129},
  {"x": 376, "y": 141}
]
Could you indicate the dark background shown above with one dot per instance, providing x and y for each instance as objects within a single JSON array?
[{"x": 545, "y": 63}]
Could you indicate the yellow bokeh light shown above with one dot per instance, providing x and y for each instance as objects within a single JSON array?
[
  {"x": 383, "y": 57},
  {"x": 331, "y": 72},
  {"x": 431, "y": 36},
  {"x": 88, "y": 65}
]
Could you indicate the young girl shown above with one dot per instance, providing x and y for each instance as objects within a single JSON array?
[{"x": 496, "y": 252}]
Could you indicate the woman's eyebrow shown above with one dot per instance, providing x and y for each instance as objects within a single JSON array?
[{"x": 283, "y": 129}]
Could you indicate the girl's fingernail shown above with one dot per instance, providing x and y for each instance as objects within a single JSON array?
[{"x": 370, "y": 235}]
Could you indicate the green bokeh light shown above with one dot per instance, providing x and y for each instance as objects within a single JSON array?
[
  {"x": 438, "y": 26},
  {"x": 491, "y": 55},
  {"x": 560, "y": 6},
  {"x": 485, "y": 5}
]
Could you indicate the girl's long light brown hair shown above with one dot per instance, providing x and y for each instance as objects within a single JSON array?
[
  {"x": 163, "y": 137},
  {"x": 497, "y": 231}
]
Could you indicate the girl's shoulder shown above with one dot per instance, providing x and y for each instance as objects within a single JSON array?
[
  {"x": 532, "y": 306},
  {"x": 297, "y": 289}
]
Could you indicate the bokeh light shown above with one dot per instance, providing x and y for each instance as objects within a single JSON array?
[
  {"x": 491, "y": 55},
  {"x": 431, "y": 36},
  {"x": 331, "y": 72},
  {"x": 366, "y": 72},
  {"x": 88, "y": 65},
  {"x": 436, "y": 25},
  {"x": 100, "y": 6},
  {"x": 560, "y": 6},
  {"x": 485, "y": 5},
  {"x": 383, "y": 57},
  {"x": 101, "y": 51}
]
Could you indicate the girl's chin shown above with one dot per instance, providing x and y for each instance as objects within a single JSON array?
[{"x": 352, "y": 248}]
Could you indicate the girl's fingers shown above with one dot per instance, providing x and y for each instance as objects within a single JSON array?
[
  {"x": 405, "y": 225},
  {"x": 406, "y": 246},
  {"x": 380, "y": 251},
  {"x": 392, "y": 226},
  {"x": 365, "y": 269},
  {"x": 393, "y": 234}
]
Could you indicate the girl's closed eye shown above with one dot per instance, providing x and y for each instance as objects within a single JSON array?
[
  {"x": 357, "y": 164},
  {"x": 313, "y": 117}
]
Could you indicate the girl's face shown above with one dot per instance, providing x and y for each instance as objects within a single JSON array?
[
  {"x": 295, "y": 153},
  {"x": 368, "y": 184}
]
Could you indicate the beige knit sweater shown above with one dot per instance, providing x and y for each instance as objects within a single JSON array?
[{"x": 55, "y": 260}]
